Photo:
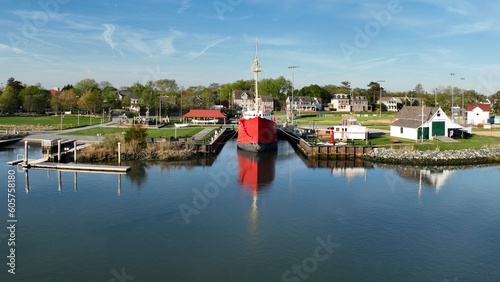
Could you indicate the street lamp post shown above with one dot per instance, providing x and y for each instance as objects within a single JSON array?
[
  {"x": 463, "y": 100},
  {"x": 452, "y": 116},
  {"x": 293, "y": 87},
  {"x": 380, "y": 97}
]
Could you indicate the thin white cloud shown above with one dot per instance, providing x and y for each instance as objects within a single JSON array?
[
  {"x": 166, "y": 45},
  {"x": 274, "y": 41},
  {"x": 8, "y": 48},
  {"x": 193, "y": 56},
  {"x": 108, "y": 37},
  {"x": 373, "y": 63},
  {"x": 185, "y": 4}
]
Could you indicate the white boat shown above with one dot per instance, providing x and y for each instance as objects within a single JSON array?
[{"x": 181, "y": 125}]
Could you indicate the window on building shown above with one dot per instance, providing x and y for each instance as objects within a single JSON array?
[{"x": 401, "y": 130}]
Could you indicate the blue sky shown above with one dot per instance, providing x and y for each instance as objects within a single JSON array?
[{"x": 56, "y": 42}]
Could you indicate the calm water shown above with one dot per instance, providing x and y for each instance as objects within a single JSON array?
[{"x": 246, "y": 218}]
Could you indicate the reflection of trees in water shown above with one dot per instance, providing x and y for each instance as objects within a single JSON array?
[{"x": 137, "y": 173}]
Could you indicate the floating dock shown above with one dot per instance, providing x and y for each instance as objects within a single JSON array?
[
  {"x": 44, "y": 163},
  {"x": 78, "y": 167}
]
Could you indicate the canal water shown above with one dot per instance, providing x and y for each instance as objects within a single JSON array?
[{"x": 241, "y": 217}]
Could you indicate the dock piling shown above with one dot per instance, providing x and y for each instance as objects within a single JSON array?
[
  {"x": 26, "y": 152},
  {"x": 59, "y": 150},
  {"x": 119, "y": 153},
  {"x": 74, "y": 153}
]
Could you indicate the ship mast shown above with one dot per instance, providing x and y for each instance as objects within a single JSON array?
[{"x": 256, "y": 69}]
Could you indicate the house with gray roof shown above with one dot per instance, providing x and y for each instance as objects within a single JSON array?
[
  {"x": 417, "y": 123},
  {"x": 245, "y": 100},
  {"x": 392, "y": 103},
  {"x": 304, "y": 103}
]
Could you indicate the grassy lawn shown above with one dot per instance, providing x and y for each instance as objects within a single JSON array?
[
  {"x": 368, "y": 119},
  {"x": 49, "y": 122},
  {"x": 154, "y": 133},
  {"x": 475, "y": 142}
]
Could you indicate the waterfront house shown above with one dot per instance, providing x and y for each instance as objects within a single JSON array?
[
  {"x": 245, "y": 100},
  {"x": 340, "y": 103},
  {"x": 393, "y": 104},
  {"x": 478, "y": 113},
  {"x": 416, "y": 123},
  {"x": 359, "y": 104},
  {"x": 304, "y": 103}
]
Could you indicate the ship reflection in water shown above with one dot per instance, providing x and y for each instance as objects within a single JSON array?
[{"x": 255, "y": 172}]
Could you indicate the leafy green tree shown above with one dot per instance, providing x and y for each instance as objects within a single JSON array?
[
  {"x": 110, "y": 100},
  {"x": 149, "y": 97},
  {"x": 345, "y": 86},
  {"x": 105, "y": 84},
  {"x": 167, "y": 90},
  {"x": 373, "y": 93},
  {"x": 419, "y": 89},
  {"x": 277, "y": 88},
  {"x": 16, "y": 85},
  {"x": 86, "y": 101},
  {"x": 9, "y": 101},
  {"x": 313, "y": 90},
  {"x": 126, "y": 101},
  {"x": 331, "y": 90},
  {"x": 67, "y": 87},
  {"x": 34, "y": 99},
  {"x": 243, "y": 85},
  {"x": 495, "y": 102},
  {"x": 68, "y": 100},
  {"x": 136, "y": 88},
  {"x": 84, "y": 85},
  {"x": 55, "y": 104}
]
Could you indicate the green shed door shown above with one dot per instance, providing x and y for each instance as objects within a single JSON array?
[
  {"x": 438, "y": 128},
  {"x": 426, "y": 133}
]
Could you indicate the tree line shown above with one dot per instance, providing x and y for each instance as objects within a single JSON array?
[{"x": 167, "y": 96}]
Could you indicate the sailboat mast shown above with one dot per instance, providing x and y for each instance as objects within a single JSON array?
[{"x": 256, "y": 69}]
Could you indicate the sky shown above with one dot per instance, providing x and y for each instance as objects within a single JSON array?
[{"x": 402, "y": 43}]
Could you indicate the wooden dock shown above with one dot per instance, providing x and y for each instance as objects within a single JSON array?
[
  {"x": 325, "y": 151},
  {"x": 78, "y": 167}
]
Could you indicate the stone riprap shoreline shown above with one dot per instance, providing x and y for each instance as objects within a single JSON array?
[{"x": 448, "y": 157}]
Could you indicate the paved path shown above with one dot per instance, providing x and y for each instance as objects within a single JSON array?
[
  {"x": 42, "y": 135},
  {"x": 446, "y": 139}
]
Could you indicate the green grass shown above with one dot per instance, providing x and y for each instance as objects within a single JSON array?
[
  {"x": 334, "y": 119},
  {"x": 51, "y": 122},
  {"x": 154, "y": 133},
  {"x": 475, "y": 142}
]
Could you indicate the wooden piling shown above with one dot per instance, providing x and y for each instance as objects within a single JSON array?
[
  {"x": 74, "y": 153},
  {"x": 26, "y": 152},
  {"x": 119, "y": 153},
  {"x": 59, "y": 150}
]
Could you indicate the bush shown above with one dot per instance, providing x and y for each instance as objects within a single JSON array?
[{"x": 136, "y": 137}]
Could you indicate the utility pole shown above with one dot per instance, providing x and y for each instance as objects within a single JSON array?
[
  {"x": 380, "y": 97},
  {"x": 293, "y": 87}
]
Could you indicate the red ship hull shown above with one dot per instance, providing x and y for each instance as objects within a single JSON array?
[{"x": 257, "y": 135}]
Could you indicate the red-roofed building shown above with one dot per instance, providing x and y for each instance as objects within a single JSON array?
[
  {"x": 478, "y": 113},
  {"x": 54, "y": 91},
  {"x": 198, "y": 116}
]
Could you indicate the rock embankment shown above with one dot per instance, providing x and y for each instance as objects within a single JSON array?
[{"x": 449, "y": 157}]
